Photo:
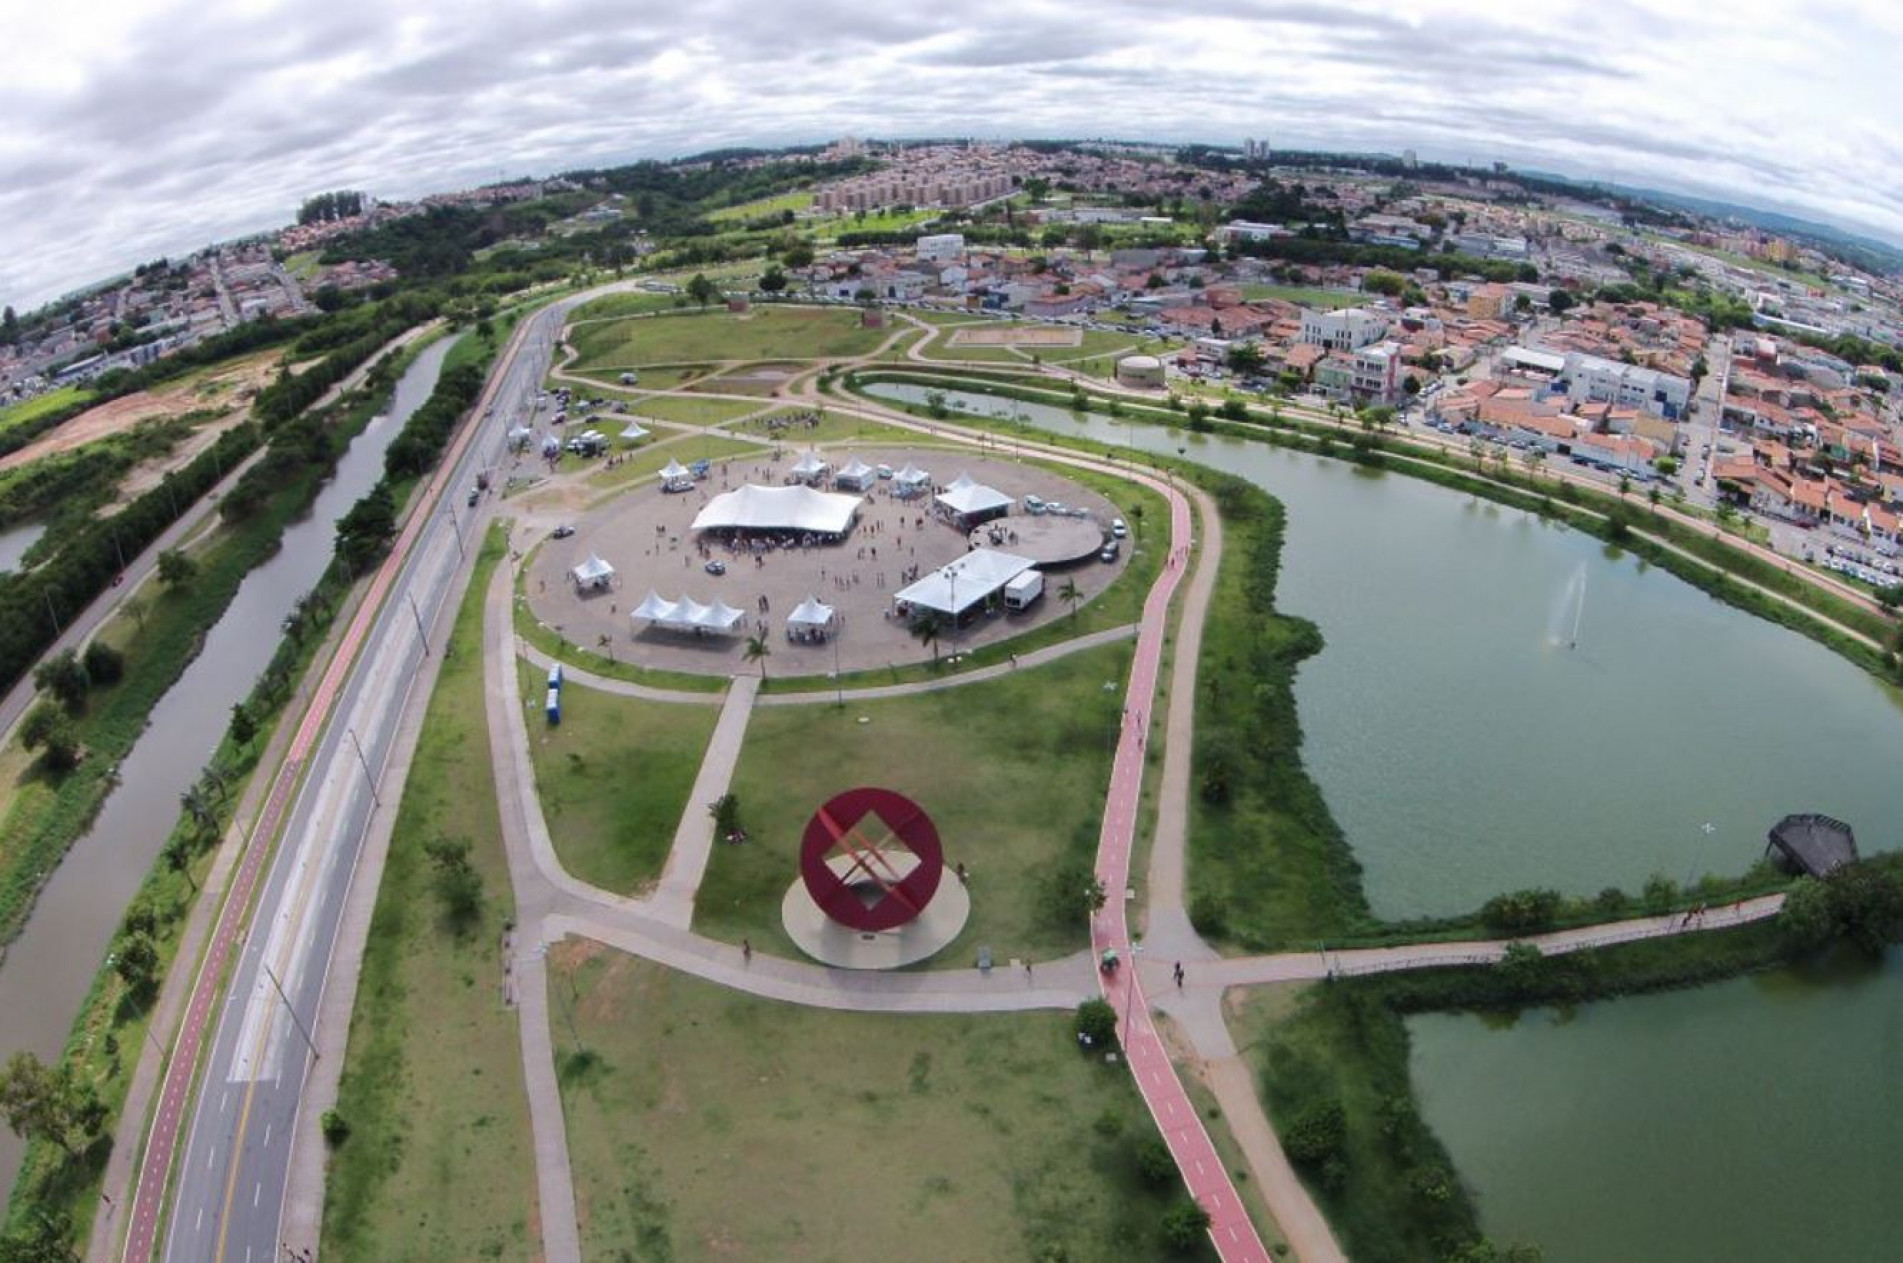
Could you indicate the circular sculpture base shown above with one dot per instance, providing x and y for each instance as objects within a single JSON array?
[{"x": 830, "y": 943}]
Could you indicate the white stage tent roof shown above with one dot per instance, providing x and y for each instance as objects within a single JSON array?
[
  {"x": 593, "y": 570},
  {"x": 856, "y": 470},
  {"x": 758, "y": 508},
  {"x": 674, "y": 470},
  {"x": 655, "y": 608},
  {"x": 973, "y": 497},
  {"x": 687, "y": 614},
  {"x": 955, "y": 588},
  {"x": 911, "y": 476},
  {"x": 810, "y": 613},
  {"x": 634, "y": 431},
  {"x": 810, "y": 465}
]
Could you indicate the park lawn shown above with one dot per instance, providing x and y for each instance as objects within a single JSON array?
[
  {"x": 653, "y": 456},
  {"x": 704, "y": 1123},
  {"x": 1302, "y": 295},
  {"x": 695, "y": 410},
  {"x": 1095, "y": 343},
  {"x": 762, "y": 207},
  {"x": 874, "y": 221},
  {"x": 613, "y": 306},
  {"x": 832, "y": 427},
  {"x": 1013, "y": 771},
  {"x": 613, "y": 779},
  {"x": 31, "y": 410},
  {"x": 664, "y": 377},
  {"x": 438, "y": 1163},
  {"x": 764, "y": 333}
]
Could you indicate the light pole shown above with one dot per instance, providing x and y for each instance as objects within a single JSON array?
[
  {"x": 365, "y": 765},
  {"x": 290, "y": 1008},
  {"x": 420, "y": 633}
]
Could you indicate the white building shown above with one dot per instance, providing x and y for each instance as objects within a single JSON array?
[
  {"x": 1377, "y": 377},
  {"x": 1349, "y": 329},
  {"x": 941, "y": 246},
  {"x": 1599, "y": 380}
]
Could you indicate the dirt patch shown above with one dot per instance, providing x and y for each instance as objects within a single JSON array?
[
  {"x": 1015, "y": 335},
  {"x": 230, "y": 388},
  {"x": 148, "y": 475}
]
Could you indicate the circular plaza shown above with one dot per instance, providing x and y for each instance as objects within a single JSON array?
[{"x": 834, "y": 558}]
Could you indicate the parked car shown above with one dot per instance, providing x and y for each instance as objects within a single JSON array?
[
  {"x": 563, "y": 531},
  {"x": 1110, "y": 550},
  {"x": 715, "y": 567},
  {"x": 1117, "y": 528}
]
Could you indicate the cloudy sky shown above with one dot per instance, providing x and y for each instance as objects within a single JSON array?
[{"x": 141, "y": 127}]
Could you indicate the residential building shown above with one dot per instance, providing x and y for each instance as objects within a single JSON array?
[
  {"x": 1594, "y": 378},
  {"x": 1349, "y": 329}
]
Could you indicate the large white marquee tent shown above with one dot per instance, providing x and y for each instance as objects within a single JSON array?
[
  {"x": 757, "y": 508},
  {"x": 687, "y": 614},
  {"x": 952, "y": 589}
]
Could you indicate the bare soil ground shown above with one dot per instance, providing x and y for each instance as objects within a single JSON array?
[{"x": 1015, "y": 335}]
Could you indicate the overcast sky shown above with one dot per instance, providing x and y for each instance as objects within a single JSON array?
[{"x": 135, "y": 128}]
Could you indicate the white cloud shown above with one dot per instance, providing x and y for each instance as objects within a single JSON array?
[{"x": 140, "y": 127}]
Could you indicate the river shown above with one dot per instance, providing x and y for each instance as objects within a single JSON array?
[
  {"x": 1504, "y": 703},
  {"x": 15, "y": 540},
  {"x": 49, "y": 968}
]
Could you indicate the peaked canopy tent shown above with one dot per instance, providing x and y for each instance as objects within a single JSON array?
[
  {"x": 800, "y": 509},
  {"x": 635, "y": 432},
  {"x": 912, "y": 476},
  {"x": 954, "y": 589},
  {"x": 973, "y": 502},
  {"x": 687, "y": 615},
  {"x": 592, "y": 575},
  {"x": 811, "y": 618},
  {"x": 654, "y": 608},
  {"x": 857, "y": 475},
  {"x": 811, "y": 467},
  {"x": 677, "y": 477}
]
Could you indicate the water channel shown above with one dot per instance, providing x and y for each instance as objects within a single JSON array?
[
  {"x": 1502, "y": 704},
  {"x": 48, "y": 969},
  {"x": 15, "y": 540}
]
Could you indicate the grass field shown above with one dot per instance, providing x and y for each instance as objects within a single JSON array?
[
  {"x": 833, "y": 427},
  {"x": 694, "y": 410},
  {"x": 875, "y": 221},
  {"x": 706, "y": 1124},
  {"x": 1302, "y": 296},
  {"x": 765, "y": 333},
  {"x": 663, "y": 378},
  {"x": 614, "y": 306},
  {"x": 1012, "y": 770},
  {"x": 28, "y": 411},
  {"x": 614, "y": 778},
  {"x": 763, "y": 207},
  {"x": 653, "y": 458},
  {"x": 437, "y": 1164}
]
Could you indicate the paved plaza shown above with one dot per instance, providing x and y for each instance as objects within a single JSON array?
[{"x": 646, "y": 536}]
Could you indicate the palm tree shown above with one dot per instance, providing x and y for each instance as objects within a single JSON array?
[
  {"x": 194, "y": 802},
  {"x": 178, "y": 858},
  {"x": 606, "y": 644},
  {"x": 758, "y": 650},
  {"x": 1477, "y": 450},
  {"x": 1070, "y": 596},
  {"x": 928, "y": 629}
]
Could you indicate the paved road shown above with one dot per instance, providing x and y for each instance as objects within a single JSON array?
[{"x": 230, "y": 1173}]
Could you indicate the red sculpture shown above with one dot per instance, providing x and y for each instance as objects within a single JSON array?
[{"x": 871, "y": 859}]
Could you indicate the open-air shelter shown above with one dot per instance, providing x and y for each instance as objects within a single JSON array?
[
  {"x": 677, "y": 477},
  {"x": 592, "y": 575},
  {"x": 811, "y": 619},
  {"x": 972, "y": 502},
  {"x": 634, "y": 432},
  {"x": 798, "y": 510},
  {"x": 953, "y": 590},
  {"x": 911, "y": 480},
  {"x": 811, "y": 467},
  {"x": 855, "y": 476}
]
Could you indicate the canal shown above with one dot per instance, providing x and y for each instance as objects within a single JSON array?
[{"x": 48, "y": 969}]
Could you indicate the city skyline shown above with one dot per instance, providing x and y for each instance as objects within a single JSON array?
[{"x": 157, "y": 129}]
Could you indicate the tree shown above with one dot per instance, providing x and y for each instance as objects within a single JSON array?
[
  {"x": 40, "y": 1235},
  {"x": 758, "y": 650},
  {"x": 798, "y": 255},
  {"x": 701, "y": 290},
  {"x": 772, "y": 281},
  {"x": 1522, "y": 303},
  {"x": 244, "y": 725},
  {"x": 1037, "y": 187},
  {"x": 104, "y": 664},
  {"x": 64, "y": 676},
  {"x": 1185, "y": 1225},
  {"x": 178, "y": 857},
  {"x": 1807, "y": 917},
  {"x": 47, "y": 729},
  {"x": 726, "y": 813},
  {"x": 1520, "y": 912},
  {"x": 1523, "y": 966},
  {"x": 1658, "y": 894},
  {"x": 1559, "y": 301},
  {"x": 1070, "y": 894},
  {"x": 9, "y": 328},
  {"x": 458, "y": 884},
  {"x": 1070, "y": 595},
  {"x": 1317, "y": 1133},
  {"x": 367, "y": 529},
  {"x": 1384, "y": 282},
  {"x": 176, "y": 570},
  {"x": 196, "y": 805},
  {"x": 1245, "y": 359},
  {"x": 1096, "y": 1023},
  {"x": 43, "y": 1102},
  {"x": 1154, "y": 1162},
  {"x": 137, "y": 963},
  {"x": 928, "y": 629}
]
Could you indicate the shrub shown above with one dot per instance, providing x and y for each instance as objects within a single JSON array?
[
  {"x": 1317, "y": 1134},
  {"x": 104, "y": 664},
  {"x": 1154, "y": 1162},
  {"x": 1096, "y": 1024},
  {"x": 335, "y": 1127},
  {"x": 1185, "y": 1225},
  {"x": 1521, "y": 912}
]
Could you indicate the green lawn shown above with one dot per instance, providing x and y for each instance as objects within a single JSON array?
[
  {"x": 1302, "y": 296},
  {"x": 31, "y": 410},
  {"x": 765, "y": 333},
  {"x": 833, "y": 427},
  {"x": 613, "y": 779},
  {"x": 762, "y": 207},
  {"x": 654, "y": 457},
  {"x": 438, "y": 1162},
  {"x": 1012, "y": 770},
  {"x": 707, "y": 1124},
  {"x": 876, "y": 221},
  {"x": 663, "y": 378},
  {"x": 695, "y": 410},
  {"x": 611, "y": 306}
]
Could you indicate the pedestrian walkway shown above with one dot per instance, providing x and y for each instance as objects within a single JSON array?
[{"x": 673, "y": 900}]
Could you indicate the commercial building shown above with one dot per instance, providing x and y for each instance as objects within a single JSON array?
[
  {"x": 941, "y": 246},
  {"x": 1349, "y": 329},
  {"x": 1592, "y": 378}
]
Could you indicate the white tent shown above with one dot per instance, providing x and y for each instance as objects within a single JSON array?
[
  {"x": 519, "y": 437},
  {"x": 690, "y": 614},
  {"x": 675, "y": 470},
  {"x": 810, "y": 467},
  {"x": 810, "y": 613},
  {"x": 721, "y": 617},
  {"x": 911, "y": 476},
  {"x": 974, "y": 499},
  {"x": 961, "y": 482},
  {"x": 634, "y": 432},
  {"x": 955, "y": 588},
  {"x": 757, "y": 508},
  {"x": 656, "y": 608},
  {"x": 592, "y": 573},
  {"x": 857, "y": 474}
]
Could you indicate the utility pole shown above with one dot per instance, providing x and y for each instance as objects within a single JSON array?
[
  {"x": 457, "y": 531},
  {"x": 365, "y": 765},
  {"x": 420, "y": 633},
  {"x": 292, "y": 1009}
]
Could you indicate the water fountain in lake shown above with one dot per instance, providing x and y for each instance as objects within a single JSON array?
[{"x": 1562, "y": 626}]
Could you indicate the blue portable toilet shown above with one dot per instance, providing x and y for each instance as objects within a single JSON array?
[
  {"x": 555, "y": 678},
  {"x": 554, "y": 707}
]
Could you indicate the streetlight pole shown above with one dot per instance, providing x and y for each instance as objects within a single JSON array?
[
  {"x": 290, "y": 1008},
  {"x": 365, "y": 765},
  {"x": 420, "y": 633},
  {"x": 839, "y": 685},
  {"x": 457, "y": 531}
]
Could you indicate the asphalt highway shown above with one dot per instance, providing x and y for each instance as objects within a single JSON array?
[{"x": 228, "y": 1183}]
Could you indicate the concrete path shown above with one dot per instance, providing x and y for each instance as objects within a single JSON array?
[{"x": 673, "y": 901}]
